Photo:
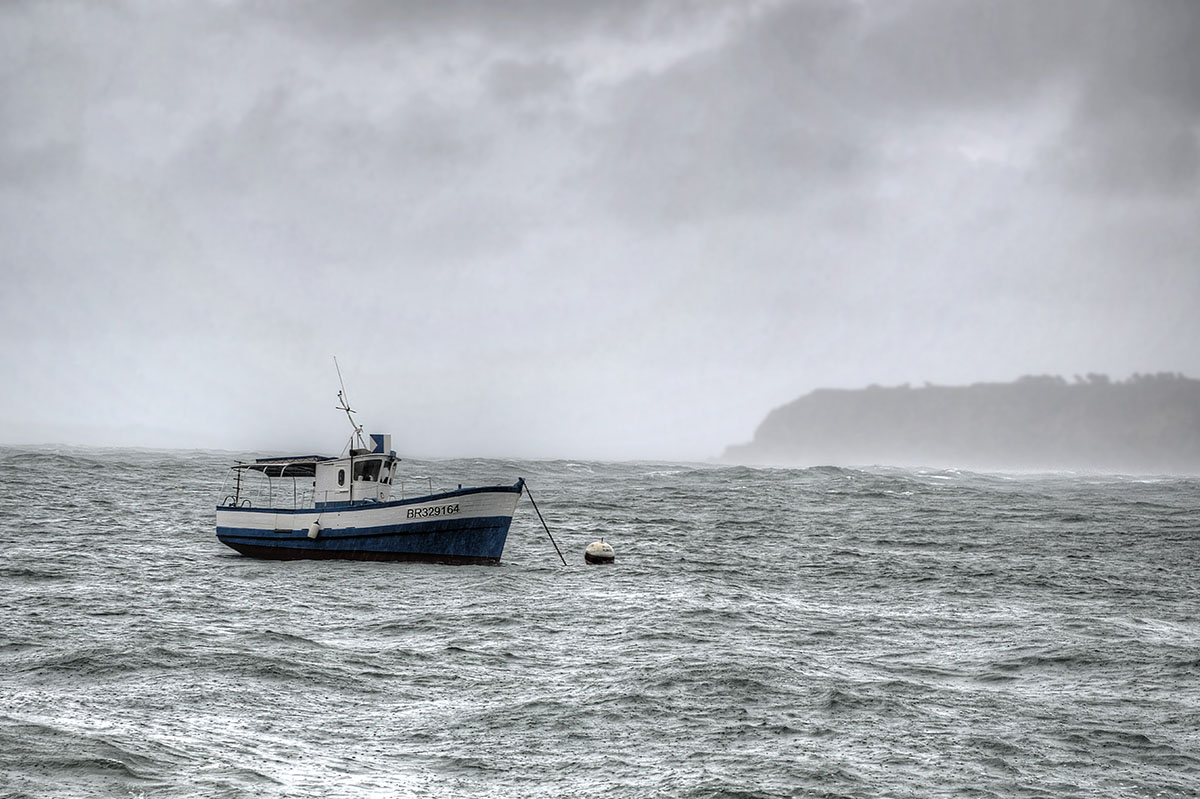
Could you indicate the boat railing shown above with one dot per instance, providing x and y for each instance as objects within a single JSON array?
[
  {"x": 429, "y": 480},
  {"x": 267, "y": 492}
]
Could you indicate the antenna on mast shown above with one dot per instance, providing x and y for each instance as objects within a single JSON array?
[{"x": 344, "y": 405}]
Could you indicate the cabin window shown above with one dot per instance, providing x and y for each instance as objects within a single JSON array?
[
  {"x": 367, "y": 470},
  {"x": 341, "y": 477}
]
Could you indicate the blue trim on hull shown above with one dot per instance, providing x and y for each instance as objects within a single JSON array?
[{"x": 476, "y": 540}]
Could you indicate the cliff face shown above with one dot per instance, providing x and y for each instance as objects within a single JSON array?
[{"x": 1144, "y": 424}]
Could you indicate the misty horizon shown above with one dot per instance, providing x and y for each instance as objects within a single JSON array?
[
  {"x": 578, "y": 230},
  {"x": 750, "y": 453}
]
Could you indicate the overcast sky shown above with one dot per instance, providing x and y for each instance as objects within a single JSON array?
[{"x": 578, "y": 229}]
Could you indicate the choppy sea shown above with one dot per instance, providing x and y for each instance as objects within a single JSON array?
[{"x": 763, "y": 633}]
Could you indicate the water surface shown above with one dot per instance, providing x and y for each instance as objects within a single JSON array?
[{"x": 810, "y": 632}]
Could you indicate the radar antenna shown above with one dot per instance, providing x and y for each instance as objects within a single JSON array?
[{"x": 344, "y": 405}]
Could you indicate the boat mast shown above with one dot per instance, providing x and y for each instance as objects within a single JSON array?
[{"x": 344, "y": 405}]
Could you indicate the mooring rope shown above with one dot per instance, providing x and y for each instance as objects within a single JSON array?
[{"x": 544, "y": 527}]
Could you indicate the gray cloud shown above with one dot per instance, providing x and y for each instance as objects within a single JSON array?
[
  {"x": 522, "y": 22},
  {"x": 817, "y": 91}
]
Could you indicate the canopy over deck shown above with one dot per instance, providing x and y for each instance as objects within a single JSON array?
[{"x": 292, "y": 466}]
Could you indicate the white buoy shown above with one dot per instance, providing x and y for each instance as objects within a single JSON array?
[
  {"x": 599, "y": 552},
  {"x": 314, "y": 529}
]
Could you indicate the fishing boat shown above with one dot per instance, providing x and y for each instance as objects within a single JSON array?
[{"x": 342, "y": 507}]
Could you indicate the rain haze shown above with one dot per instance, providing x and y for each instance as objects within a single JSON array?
[{"x": 612, "y": 230}]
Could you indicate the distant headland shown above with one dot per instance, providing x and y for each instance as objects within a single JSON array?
[{"x": 1146, "y": 424}]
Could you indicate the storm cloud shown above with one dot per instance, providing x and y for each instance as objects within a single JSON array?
[{"x": 614, "y": 230}]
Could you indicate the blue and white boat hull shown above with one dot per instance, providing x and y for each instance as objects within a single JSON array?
[{"x": 469, "y": 525}]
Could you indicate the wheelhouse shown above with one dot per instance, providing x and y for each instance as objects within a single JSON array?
[{"x": 363, "y": 477}]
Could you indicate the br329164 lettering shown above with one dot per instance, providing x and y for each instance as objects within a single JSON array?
[{"x": 433, "y": 511}]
